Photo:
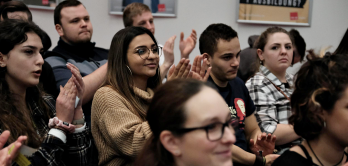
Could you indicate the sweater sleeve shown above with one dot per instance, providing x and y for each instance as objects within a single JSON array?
[{"x": 121, "y": 129}]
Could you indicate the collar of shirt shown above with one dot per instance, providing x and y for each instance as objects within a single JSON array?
[{"x": 268, "y": 74}]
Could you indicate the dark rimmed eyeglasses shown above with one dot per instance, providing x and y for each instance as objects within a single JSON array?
[
  {"x": 144, "y": 52},
  {"x": 214, "y": 131}
]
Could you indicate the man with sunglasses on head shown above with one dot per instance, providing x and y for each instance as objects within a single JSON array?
[{"x": 220, "y": 48}]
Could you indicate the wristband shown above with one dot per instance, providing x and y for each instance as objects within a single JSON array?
[
  {"x": 55, "y": 122},
  {"x": 79, "y": 121},
  {"x": 259, "y": 161}
]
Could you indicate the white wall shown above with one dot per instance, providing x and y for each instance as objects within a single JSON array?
[{"x": 329, "y": 22}]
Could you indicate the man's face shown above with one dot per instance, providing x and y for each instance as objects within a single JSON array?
[
  {"x": 76, "y": 26},
  {"x": 225, "y": 61},
  {"x": 144, "y": 20}
]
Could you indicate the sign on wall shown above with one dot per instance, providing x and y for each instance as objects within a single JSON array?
[
  {"x": 41, "y": 4},
  {"x": 279, "y": 12},
  {"x": 165, "y": 8}
]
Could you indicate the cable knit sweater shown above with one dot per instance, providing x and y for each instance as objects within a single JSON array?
[{"x": 118, "y": 133}]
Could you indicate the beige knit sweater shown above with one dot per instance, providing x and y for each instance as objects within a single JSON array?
[{"x": 118, "y": 133}]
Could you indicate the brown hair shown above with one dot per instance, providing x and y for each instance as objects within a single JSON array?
[
  {"x": 133, "y": 10},
  {"x": 57, "y": 11},
  {"x": 13, "y": 6},
  {"x": 118, "y": 75},
  {"x": 261, "y": 42},
  {"x": 319, "y": 84},
  {"x": 167, "y": 112},
  {"x": 15, "y": 117}
]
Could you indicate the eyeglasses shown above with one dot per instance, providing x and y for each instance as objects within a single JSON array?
[
  {"x": 214, "y": 131},
  {"x": 144, "y": 52}
]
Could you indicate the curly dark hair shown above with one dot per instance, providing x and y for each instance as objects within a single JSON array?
[{"x": 320, "y": 83}]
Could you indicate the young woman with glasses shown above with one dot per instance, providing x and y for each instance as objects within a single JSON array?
[
  {"x": 191, "y": 125},
  {"x": 119, "y": 107}
]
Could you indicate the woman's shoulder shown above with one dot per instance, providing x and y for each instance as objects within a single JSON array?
[
  {"x": 294, "y": 156},
  {"x": 106, "y": 91},
  {"x": 257, "y": 79}
]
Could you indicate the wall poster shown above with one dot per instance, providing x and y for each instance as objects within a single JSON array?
[
  {"x": 164, "y": 8},
  {"x": 41, "y": 4},
  {"x": 275, "y": 12}
]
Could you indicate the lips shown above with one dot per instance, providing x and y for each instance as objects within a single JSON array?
[
  {"x": 151, "y": 65},
  {"x": 226, "y": 153},
  {"x": 84, "y": 32},
  {"x": 37, "y": 73},
  {"x": 283, "y": 60}
]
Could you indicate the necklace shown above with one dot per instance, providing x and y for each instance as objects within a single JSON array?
[{"x": 318, "y": 158}]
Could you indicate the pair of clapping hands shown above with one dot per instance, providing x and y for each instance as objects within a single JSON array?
[
  {"x": 65, "y": 103},
  {"x": 199, "y": 70}
]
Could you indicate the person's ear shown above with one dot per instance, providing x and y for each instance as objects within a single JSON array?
[
  {"x": 3, "y": 60},
  {"x": 260, "y": 54},
  {"x": 171, "y": 143},
  {"x": 59, "y": 29},
  {"x": 208, "y": 57}
]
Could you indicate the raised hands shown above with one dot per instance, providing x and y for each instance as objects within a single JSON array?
[
  {"x": 198, "y": 70},
  {"x": 168, "y": 51},
  {"x": 9, "y": 153},
  {"x": 65, "y": 104},
  {"x": 182, "y": 70},
  {"x": 80, "y": 87},
  {"x": 186, "y": 46},
  {"x": 264, "y": 143}
]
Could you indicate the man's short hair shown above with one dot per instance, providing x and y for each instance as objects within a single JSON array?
[
  {"x": 212, "y": 34},
  {"x": 133, "y": 10},
  {"x": 58, "y": 9},
  {"x": 15, "y": 6}
]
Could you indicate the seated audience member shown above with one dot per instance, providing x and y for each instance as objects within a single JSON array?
[
  {"x": 139, "y": 14},
  {"x": 343, "y": 46},
  {"x": 74, "y": 27},
  {"x": 271, "y": 87},
  {"x": 119, "y": 107},
  {"x": 319, "y": 107},
  {"x": 9, "y": 153},
  {"x": 220, "y": 47},
  {"x": 191, "y": 125},
  {"x": 26, "y": 110},
  {"x": 299, "y": 47},
  {"x": 18, "y": 10},
  {"x": 247, "y": 59}
]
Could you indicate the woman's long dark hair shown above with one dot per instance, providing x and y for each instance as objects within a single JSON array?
[
  {"x": 118, "y": 75},
  {"x": 15, "y": 117},
  {"x": 167, "y": 112}
]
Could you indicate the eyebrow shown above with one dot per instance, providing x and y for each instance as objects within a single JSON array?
[
  {"x": 33, "y": 47},
  {"x": 280, "y": 44},
  {"x": 232, "y": 53}
]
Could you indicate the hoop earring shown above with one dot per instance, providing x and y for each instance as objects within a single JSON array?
[{"x": 129, "y": 70}]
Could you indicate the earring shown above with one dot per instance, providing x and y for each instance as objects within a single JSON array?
[
  {"x": 129, "y": 70},
  {"x": 324, "y": 124}
]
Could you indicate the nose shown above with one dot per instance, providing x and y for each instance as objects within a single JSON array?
[
  {"x": 228, "y": 137},
  {"x": 283, "y": 50},
  {"x": 235, "y": 62},
  {"x": 39, "y": 60},
  {"x": 83, "y": 23},
  {"x": 152, "y": 55},
  {"x": 149, "y": 26}
]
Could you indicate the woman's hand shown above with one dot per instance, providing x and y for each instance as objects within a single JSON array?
[
  {"x": 264, "y": 142},
  {"x": 80, "y": 87},
  {"x": 65, "y": 104},
  {"x": 198, "y": 69},
  {"x": 182, "y": 70},
  {"x": 9, "y": 153}
]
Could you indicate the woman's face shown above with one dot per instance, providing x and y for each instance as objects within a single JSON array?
[
  {"x": 278, "y": 52},
  {"x": 206, "y": 108},
  {"x": 142, "y": 65},
  {"x": 337, "y": 121},
  {"x": 24, "y": 62}
]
